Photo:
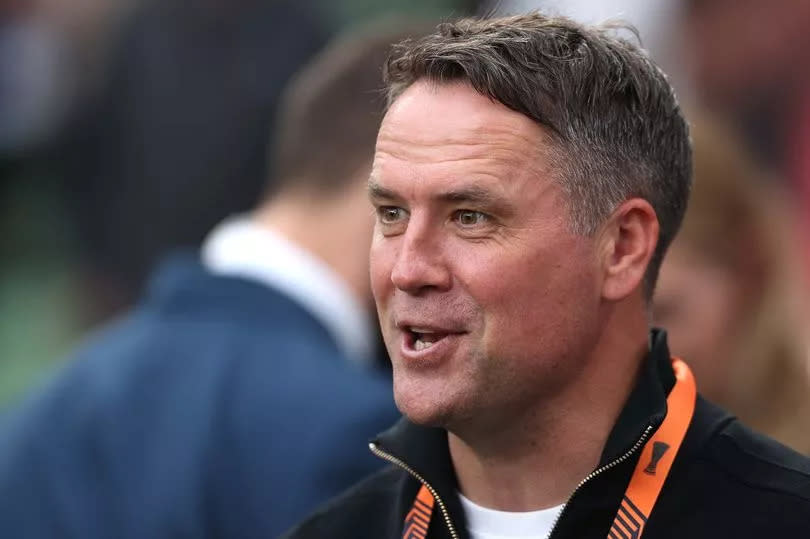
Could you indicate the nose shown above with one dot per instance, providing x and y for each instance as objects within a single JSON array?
[{"x": 420, "y": 265}]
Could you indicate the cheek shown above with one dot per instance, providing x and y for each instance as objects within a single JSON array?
[
  {"x": 381, "y": 257},
  {"x": 533, "y": 299}
]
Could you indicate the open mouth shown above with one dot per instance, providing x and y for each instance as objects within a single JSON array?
[{"x": 419, "y": 339}]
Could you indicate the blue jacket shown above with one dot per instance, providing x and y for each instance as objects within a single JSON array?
[{"x": 217, "y": 408}]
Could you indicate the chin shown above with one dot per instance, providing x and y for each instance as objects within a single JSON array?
[{"x": 423, "y": 411}]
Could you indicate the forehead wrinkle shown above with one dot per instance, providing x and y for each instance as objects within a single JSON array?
[
  {"x": 492, "y": 169},
  {"x": 479, "y": 154},
  {"x": 506, "y": 145},
  {"x": 426, "y": 127}
]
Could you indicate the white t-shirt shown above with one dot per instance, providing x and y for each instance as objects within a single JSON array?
[{"x": 483, "y": 523}]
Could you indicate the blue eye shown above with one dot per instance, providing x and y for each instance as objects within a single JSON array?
[{"x": 470, "y": 218}]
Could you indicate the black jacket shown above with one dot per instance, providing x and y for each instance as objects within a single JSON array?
[{"x": 727, "y": 481}]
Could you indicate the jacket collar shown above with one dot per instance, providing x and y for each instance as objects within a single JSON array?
[
  {"x": 647, "y": 403},
  {"x": 181, "y": 284},
  {"x": 425, "y": 449}
]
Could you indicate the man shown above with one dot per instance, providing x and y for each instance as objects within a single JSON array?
[
  {"x": 239, "y": 393},
  {"x": 529, "y": 174}
]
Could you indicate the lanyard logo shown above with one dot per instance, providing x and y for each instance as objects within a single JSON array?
[{"x": 659, "y": 448}]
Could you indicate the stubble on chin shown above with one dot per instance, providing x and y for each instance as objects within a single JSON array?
[
  {"x": 442, "y": 409},
  {"x": 420, "y": 405}
]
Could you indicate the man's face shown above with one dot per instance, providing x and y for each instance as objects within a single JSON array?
[{"x": 486, "y": 299}]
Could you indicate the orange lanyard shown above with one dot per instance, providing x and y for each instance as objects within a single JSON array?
[
  {"x": 418, "y": 518},
  {"x": 648, "y": 478},
  {"x": 657, "y": 457}
]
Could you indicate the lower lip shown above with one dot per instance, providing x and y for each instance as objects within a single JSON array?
[{"x": 440, "y": 349}]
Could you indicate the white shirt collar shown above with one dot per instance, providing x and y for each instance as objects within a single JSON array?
[
  {"x": 485, "y": 523},
  {"x": 243, "y": 248}
]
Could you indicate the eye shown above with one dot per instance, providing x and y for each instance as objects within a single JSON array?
[
  {"x": 469, "y": 218},
  {"x": 390, "y": 214}
]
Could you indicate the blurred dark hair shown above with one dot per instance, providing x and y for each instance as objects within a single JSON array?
[
  {"x": 331, "y": 110},
  {"x": 615, "y": 127}
]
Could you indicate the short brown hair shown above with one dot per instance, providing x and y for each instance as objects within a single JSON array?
[
  {"x": 331, "y": 110},
  {"x": 615, "y": 126}
]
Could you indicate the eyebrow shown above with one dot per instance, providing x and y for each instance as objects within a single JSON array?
[
  {"x": 378, "y": 192},
  {"x": 473, "y": 195}
]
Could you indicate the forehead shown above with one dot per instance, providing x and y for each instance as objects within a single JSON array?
[
  {"x": 430, "y": 113},
  {"x": 447, "y": 126}
]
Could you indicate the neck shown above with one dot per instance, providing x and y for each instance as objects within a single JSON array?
[
  {"x": 536, "y": 459},
  {"x": 331, "y": 229}
]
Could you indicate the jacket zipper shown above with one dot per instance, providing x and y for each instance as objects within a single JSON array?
[
  {"x": 394, "y": 460},
  {"x": 640, "y": 442}
]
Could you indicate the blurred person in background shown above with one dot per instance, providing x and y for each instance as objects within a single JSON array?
[
  {"x": 113, "y": 109},
  {"x": 149, "y": 138},
  {"x": 731, "y": 294},
  {"x": 43, "y": 71},
  {"x": 239, "y": 392},
  {"x": 176, "y": 131},
  {"x": 749, "y": 61},
  {"x": 32, "y": 95}
]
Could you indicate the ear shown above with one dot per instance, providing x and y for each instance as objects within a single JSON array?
[{"x": 628, "y": 242}]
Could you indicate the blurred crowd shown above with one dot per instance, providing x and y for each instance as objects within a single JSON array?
[
  {"x": 239, "y": 134},
  {"x": 130, "y": 128}
]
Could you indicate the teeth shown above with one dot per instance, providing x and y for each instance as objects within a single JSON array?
[
  {"x": 421, "y": 330},
  {"x": 419, "y": 345}
]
